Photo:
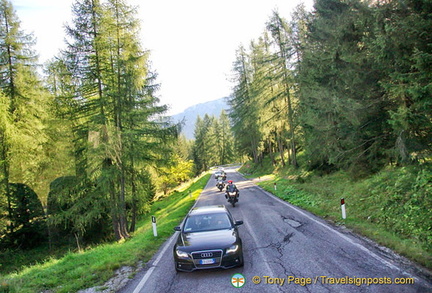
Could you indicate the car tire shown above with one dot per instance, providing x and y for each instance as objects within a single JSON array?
[{"x": 241, "y": 264}]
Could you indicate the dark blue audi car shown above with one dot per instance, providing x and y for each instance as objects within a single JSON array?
[{"x": 208, "y": 239}]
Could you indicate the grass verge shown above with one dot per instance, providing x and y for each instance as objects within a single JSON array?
[
  {"x": 95, "y": 266},
  {"x": 393, "y": 207}
]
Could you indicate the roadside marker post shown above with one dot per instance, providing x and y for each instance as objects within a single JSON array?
[
  {"x": 154, "y": 226},
  {"x": 343, "y": 208},
  {"x": 275, "y": 188}
]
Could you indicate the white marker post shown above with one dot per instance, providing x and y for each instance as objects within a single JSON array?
[
  {"x": 154, "y": 226},
  {"x": 343, "y": 208},
  {"x": 275, "y": 186}
]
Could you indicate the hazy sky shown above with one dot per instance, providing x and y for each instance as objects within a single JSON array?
[{"x": 192, "y": 42}]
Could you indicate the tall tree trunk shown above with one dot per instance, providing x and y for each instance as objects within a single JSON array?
[
  {"x": 12, "y": 108},
  {"x": 281, "y": 148},
  {"x": 122, "y": 207},
  {"x": 270, "y": 146},
  {"x": 286, "y": 82},
  {"x": 290, "y": 117},
  {"x": 134, "y": 204},
  {"x": 5, "y": 170}
]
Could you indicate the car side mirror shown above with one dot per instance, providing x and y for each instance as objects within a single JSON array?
[
  {"x": 177, "y": 228},
  {"x": 238, "y": 223}
]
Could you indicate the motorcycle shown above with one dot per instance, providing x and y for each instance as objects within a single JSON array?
[
  {"x": 220, "y": 185},
  {"x": 232, "y": 197}
]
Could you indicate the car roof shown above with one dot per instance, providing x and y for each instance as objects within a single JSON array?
[{"x": 208, "y": 210}]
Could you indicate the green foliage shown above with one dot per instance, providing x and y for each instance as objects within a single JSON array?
[
  {"x": 402, "y": 51},
  {"x": 76, "y": 271},
  {"x": 27, "y": 224},
  {"x": 264, "y": 103},
  {"x": 348, "y": 84},
  {"x": 342, "y": 112},
  {"x": 290, "y": 194},
  {"x": 75, "y": 208},
  {"x": 180, "y": 171},
  {"x": 24, "y": 106},
  {"x": 225, "y": 150},
  {"x": 201, "y": 148},
  {"x": 25, "y": 205},
  {"x": 392, "y": 207},
  {"x": 103, "y": 84},
  {"x": 406, "y": 206},
  {"x": 243, "y": 114},
  {"x": 99, "y": 123},
  {"x": 263, "y": 168},
  {"x": 214, "y": 142},
  {"x": 285, "y": 57}
]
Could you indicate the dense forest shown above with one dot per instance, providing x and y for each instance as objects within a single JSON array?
[
  {"x": 85, "y": 145},
  {"x": 344, "y": 89},
  {"x": 347, "y": 86},
  {"x": 214, "y": 142}
]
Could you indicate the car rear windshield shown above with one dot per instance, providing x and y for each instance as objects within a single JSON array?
[{"x": 209, "y": 222}]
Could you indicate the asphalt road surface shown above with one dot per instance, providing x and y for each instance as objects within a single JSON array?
[{"x": 286, "y": 249}]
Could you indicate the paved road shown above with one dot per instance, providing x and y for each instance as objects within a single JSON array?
[{"x": 283, "y": 243}]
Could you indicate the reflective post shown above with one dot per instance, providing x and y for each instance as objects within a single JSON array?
[
  {"x": 154, "y": 226},
  {"x": 343, "y": 208}
]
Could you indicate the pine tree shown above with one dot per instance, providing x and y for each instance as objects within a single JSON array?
[
  {"x": 202, "y": 147},
  {"x": 226, "y": 140},
  {"x": 24, "y": 105},
  {"x": 269, "y": 98},
  {"x": 244, "y": 109},
  {"x": 280, "y": 32},
  {"x": 117, "y": 130},
  {"x": 400, "y": 48},
  {"x": 342, "y": 110}
]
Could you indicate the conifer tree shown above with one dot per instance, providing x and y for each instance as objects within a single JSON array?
[
  {"x": 342, "y": 109},
  {"x": 202, "y": 147},
  {"x": 400, "y": 48},
  {"x": 226, "y": 140},
  {"x": 244, "y": 109},
  {"x": 24, "y": 106},
  {"x": 280, "y": 33},
  {"x": 113, "y": 92},
  {"x": 271, "y": 106}
]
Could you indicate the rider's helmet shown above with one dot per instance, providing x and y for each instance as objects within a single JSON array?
[{"x": 230, "y": 182}]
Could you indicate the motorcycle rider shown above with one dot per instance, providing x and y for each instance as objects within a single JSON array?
[
  {"x": 231, "y": 187},
  {"x": 220, "y": 183}
]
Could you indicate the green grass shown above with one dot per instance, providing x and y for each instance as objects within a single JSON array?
[
  {"x": 392, "y": 207},
  {"x": 13, "y": 260},
  {"x": 96, "y": 265}
]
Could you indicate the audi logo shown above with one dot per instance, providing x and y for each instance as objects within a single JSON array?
[{"x": 206, "y": 254}]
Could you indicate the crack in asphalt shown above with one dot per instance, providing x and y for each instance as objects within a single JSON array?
[
  {"x": 280, "y": 248},
  {"x": 287, "y": 237},
  {"x": 278, "y": 245},
  {"x": 286, "y": 240},
  {"x": 173, "y": 281}
]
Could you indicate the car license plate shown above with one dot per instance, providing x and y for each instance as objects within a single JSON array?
[{"x": 207, "y": 261}]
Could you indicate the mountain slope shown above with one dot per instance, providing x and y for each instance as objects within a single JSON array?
[{"x": 190, "y": 115}]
